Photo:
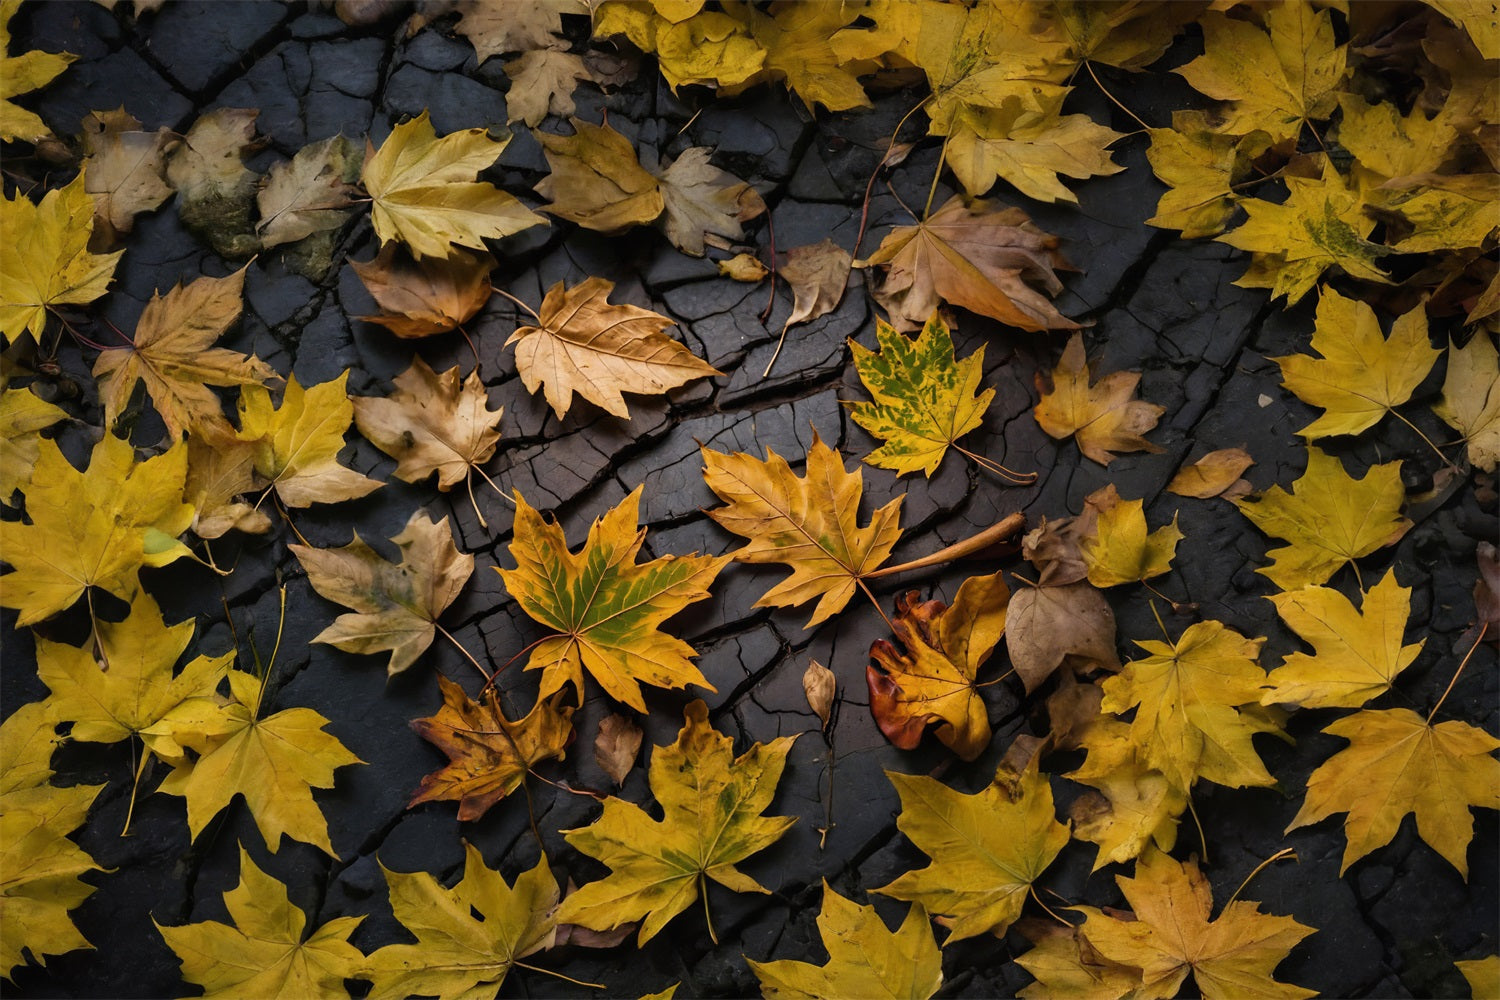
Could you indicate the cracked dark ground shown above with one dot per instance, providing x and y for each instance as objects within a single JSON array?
[{"x": 1391, "y": 928}]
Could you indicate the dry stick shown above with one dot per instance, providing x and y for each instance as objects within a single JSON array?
[
  {"x": 1283, "y": 853},
  {"x": 1004, "y": 528},
  {"x": 1462, "y": 663},
  {"x": 467, "y": 655},
  {"x": 517, "y": 301},
  {"x": 1011, "y": 475}
]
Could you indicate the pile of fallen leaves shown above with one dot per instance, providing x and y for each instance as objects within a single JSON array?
[{"x": 1349, "y": 151}]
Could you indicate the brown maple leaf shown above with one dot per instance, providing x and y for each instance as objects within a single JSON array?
[{"x": 421, "y": 297}]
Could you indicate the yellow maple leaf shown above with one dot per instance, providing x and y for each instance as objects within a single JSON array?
[
  {"x": 95, "y": 528},
  {"x": 605, "y": 609},
  {"x": 297, "y": 443},
  {"x": 1029, "y": 147},
  {"x": 23, "y": 416},
  {"x": 711, "y": 805},
  {"x": 425, "y": 195},
  {"x": 865, "y": 959},
  {"x": 173, "y": 355},
  {"x": 1328, "y": 518},
  {"x": 1132, "y": 804},
  {"x": 596, "y": 180},
  {"x": 1230, "y": 957},
  {"x": 1102, "y": 417},
  {"x": 810, "y": 523},
  {"x": 692, "y": 46},
  {"x": 986, "y": 848},
  {"x": 1278, "y": 78},
  {"x": 396, "y": 605},
  {"x": 1398, "y": 763},
  {"x": 932, "y": 677},
  {"x": 469, "y": 937},
  {"x": 1120, "y": 550},
  {"x": 583, "y": 344},
  {"x": 20, "y": 75},
  {"x": 221, "y": 470},
  {"x": 1065, "y": 965},
  {"x": 795, "y": 40},
  {"x": 1387, "y": 144},
  {"x": 1482, "y": 975},
  {"x": 542, "y": 82},
  {"x": 1190, "y": 699},
  {"x": 47, "y": 262},
  {"x": 1471, "y": 398},
  {"x": 1444, "y": 212},
  {"x": 1358, "y": 651},
  {"x": 273, "y": 762},
  {"x": 267, "y": 950},
  {"x": 1199, "y": 166}
]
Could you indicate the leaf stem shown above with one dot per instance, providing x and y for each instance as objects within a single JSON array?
[
  {"x": 708, "y": 917},
  {"x": 88, "y": 593},
  {"x": 1202, "y": 840},
  {"x": 467, "y": 655},
  {"x": 559, "y": 975},
  {"x": 868, "y": 593},
  {"x": 1050, "y": 912},
  {"x": 1010, "y": 475},
  {"x": 517, "y": 302},
  {"x": 1105, "y": 91},
  {"x": 1424, "y": 437},
  {"x": 1007, "y": 526},
  {"x": 490, "y": 681},
  {"x": 936, "y": 175},
  {"x": 140, "y": 767},
  {"x": 864, "y": 210},
  {"x": 1285, "y": 852},
  {"x": 498, "y": 491},
  {"x": 469, "y": 485},
  {"x": 1462, "y": 663}
]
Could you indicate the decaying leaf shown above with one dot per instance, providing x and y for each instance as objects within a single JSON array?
[
  {"x": 427, "y": 295},
  {"x": 1471, "y": 398},
  {"x": 606, "y": 610},
  {"x": 22, "y": 74},
  {"x": 396, "y": 605},
  {"x": 220, "y": 471},
  {"x": 584, "y": 345},
  {"x": 1120, "y": 550},
  {"x": 432, "y": 423},
  {"x": 425, "y": 194},
  {"x": 986, "y": 849},
  {"x": 703, "y": 203},
  {"x": 23, "y": 416},
  {"x": 931, "y": 677},
  {"x": 1103, "y": 416},
  {"x": 865, "y": 958},
  {"x": 974, "y": 257},
  {"x": 496, "y": 26},
  {"x": 1213, "y": 475},
  {"x": 297, "y": 444},
  {"x": 711, "y": 807},
  {"x": 820, "y": 686},
  {"x": 596, "y": 180},
  {"x": 308, "y": 194},
  {"x": 746, "y": 267},
  {"x": 217, "y": 191},
  {"x": 818, "y": 275},
  {"x": 174, "y": 356},
  {"x": 617, "y": 746},
  {"x": 488, "y": 754},
  {"x": 542, "y": 83},
  {"x": 923, "y": 399},
  {"x": 810, "y": 523},
  {"x": 126, "y": 168},
  {"x": 1048, "y": 626}
]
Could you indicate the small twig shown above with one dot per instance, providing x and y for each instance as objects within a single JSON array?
[{"x": 1007, "y": 526}]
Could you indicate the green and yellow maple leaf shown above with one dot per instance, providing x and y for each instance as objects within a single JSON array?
[
  {"x": 47, "y": 261},
  {"x": 425, "y": 195},
  {"x": 23, "y": 416},
  {"x": 1358, "y": 652},
  {"x": 923, "y": 399},
  {"x": 1360, "y": 375},
  {"x": 267, "y": 950},
  {"x": 95, "y": 528},
  {"x": 605, "y": 609},
  {"x": 1398, "y": 763},
  {"x": 20, "y": 75},
  {"x": 711, "y": 805},
  {"x": 865, "y": 959},
  {"x": 1471, "y": 398},
  {"x": 986, "y": 849},
  {"x": 810, "y": 523},
  {"x": 1328, "y": 518},
  {"x": 297, "y": 443},
  {"x": 469, "y": 937}
]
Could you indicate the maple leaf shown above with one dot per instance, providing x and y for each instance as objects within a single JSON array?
[
  {"x": 986, "y": 848},
  {"x": 1129, "y": 36},
  {"x": 1398, "y": 763},
  {"x": 976, "y": 258},
  {"x": 297, "y": 444},
  {"x": 810, "y": 523},
  {"x": 425, "y": 195},
  {"x": 47, "y": 262},
  {"x": 41, "y": 865},
  {"x": 1102, "y": 417},
  {"x": 219, "y": 471},
  {"x": 818, "y": 275},
  {"x": 711, "y": 805},
  {"x": 1199, "y": 166},
  {"x": 1215, "y": 474},
  {"x": 1187, "y": 697},
  {"x": 95, "y": 528},
  {"x": 173, "y": 355},
  {"x": 542, "y": 83},
  {"x": 1387, "y": 144},
  {"x": 1442, "y": 212},
  {"x": 308, "y": 194},
  {"x": 1120, "y": 551},
  {"x": 488, "y": 754},
  {"x": 606, "y": 609},
  {"x": 1064, "y": 964},
  {"x": 924, "y": 400},
  {"x": 1471, "y": 398},
  {"x": 469, "y": 937},
  {"x": 1320, "y": 225},
  {"x": 218, "y": 192},
  {"x": 23, "y": 416},
  {"x": 130, "y": 687},
  {"x": 1361, "y": 375},
  {"x": 20, "y": 75},
  {"x": 691, "y": 47},
  {"x": 432, "y": 423},
  {"x": 267, "y": 950},
  {"x": 1229, "y": 957},
  {"x": 1278, "y": 78},
  {"x": 795, "y": 39},
  {"x": 1048, "y": 626},
  {"x": 1482, "y": 975},
  {"x": 596, "y": 180},
  {"x": 1329, "y": 518},
  {"x": 702, "y": 203},
  {"x": 1131, "y": 804},
  {"x": 585, "y": 345},
  {"x": 427, "y": 295},
  {"x": 933, "y": 681},
  {"x": 1358, "y": 650},
  {"x": 1028, "y": 144},
  {"x": 396, "y": 605},
  {"x": 496, "y": 26},
  {"x": 273, "y": 762},
  {"x": 865, "y": 959},
  {"x": 125, "y": 168}
]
